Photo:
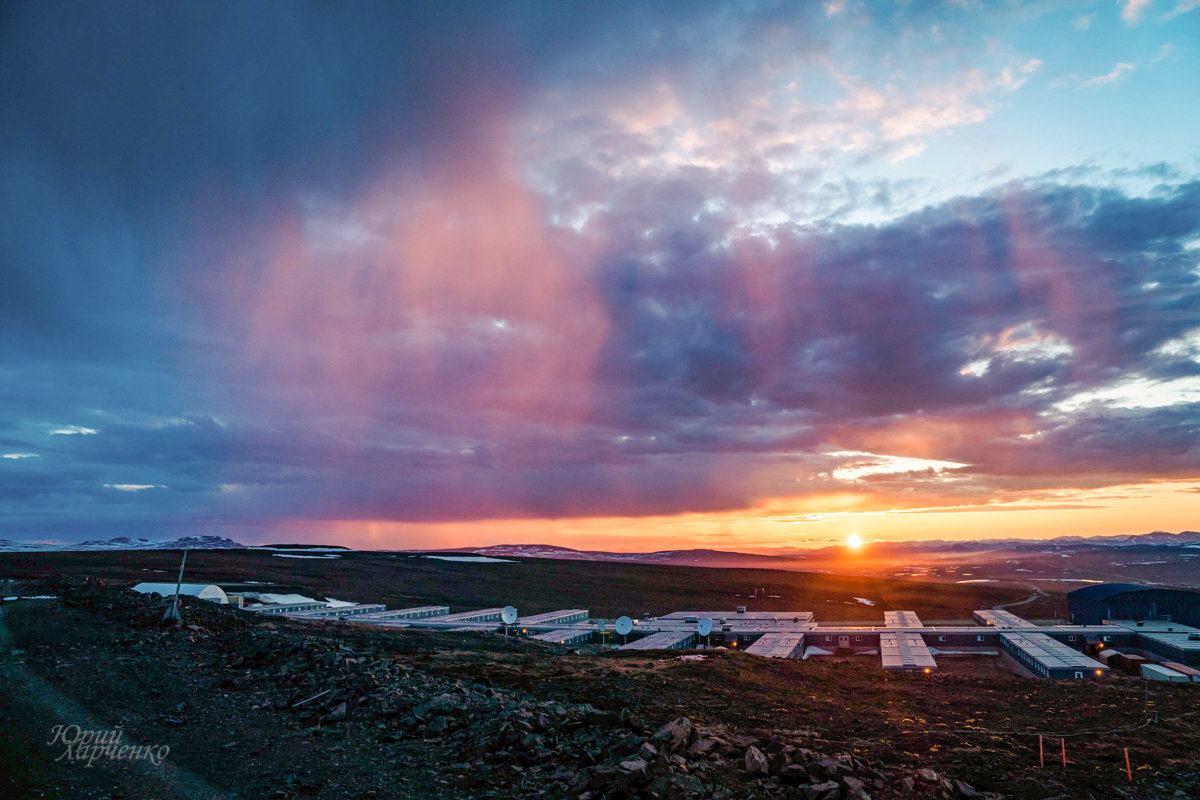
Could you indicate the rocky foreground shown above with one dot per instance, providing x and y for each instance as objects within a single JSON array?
[{"x": 493, "y": 742}]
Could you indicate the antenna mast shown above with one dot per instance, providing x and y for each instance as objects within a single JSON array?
[{"x": 173, "y": 614}]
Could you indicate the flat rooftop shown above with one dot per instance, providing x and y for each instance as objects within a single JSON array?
[
  {"x": 730, "y": 616},
  {"x": 1156, "y": 625},
  {"x": 1002, "y": 619},
  {"x": 563, "y": 615},
  {"x": 1050, "y": 653},
  {"x": 777, "y": 645},
  {"x": 902, "y": 619},
  {"x": 663, "y": 640},
  {"x": 1177, "y": 640},
  {"x": 905, "y": 651}
]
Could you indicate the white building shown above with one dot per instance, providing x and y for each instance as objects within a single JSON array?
[{"x": 205, "y": 591}]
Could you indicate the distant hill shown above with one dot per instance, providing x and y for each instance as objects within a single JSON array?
[{"x": 721, "y": 558}]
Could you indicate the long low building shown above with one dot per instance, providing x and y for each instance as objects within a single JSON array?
[
  {"x": 664, "y": 640},
  {"x": 482, "y": 615},
  {"x": 419, "y": 612},
  {"x": 1182, "y": 647},
  {"x": 905, "y": 652},
  {"x": 288, "y": 608},
  {"x": 718, "y": 617},
  {"x": 565, "y": 636},
  {"x": 777, "y": 645},
  {"x": 563, "y": 617},
  {"x": 341, "y": 612},
  {"x": 902, "y": 619},
  {"x": 1157, "y": 672},
  {"x": 1183, "y": 669},
  {"x": 1049, "y": 658},
  {"x": 472, "y": 629},
  {"x": 998, "y": 618}
]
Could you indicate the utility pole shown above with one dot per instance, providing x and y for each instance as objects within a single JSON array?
[{"x": 173, "y": 614}]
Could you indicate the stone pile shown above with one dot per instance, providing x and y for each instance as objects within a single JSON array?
[{"x": 507, "y": 744}]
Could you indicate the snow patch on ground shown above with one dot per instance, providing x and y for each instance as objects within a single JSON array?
[
  {"x": 474, "y": 559},
  {"x": 865, "y": 601},
  {"x": 979, "y": 580},
  {"x": 30, "y": 597},
  {"x": 329, "y": 601}
]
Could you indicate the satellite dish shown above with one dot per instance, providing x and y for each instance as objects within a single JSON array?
[
  {"x": 623, "y": 626},
  {"x": 704, "y": 627},
  {"x": 508, "y": 615},
  {"x": 600, "y": 625}
]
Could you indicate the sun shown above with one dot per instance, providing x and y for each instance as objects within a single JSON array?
[{"x": 854, "y": 541}]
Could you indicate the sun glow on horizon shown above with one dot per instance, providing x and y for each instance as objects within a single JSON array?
[{"x": 854, "y": 541}]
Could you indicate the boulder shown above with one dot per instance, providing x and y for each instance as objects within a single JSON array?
[
  {"x": 965, "y": 789},
  {"x": 705, "y": 745},
  {"x": 829, "y": 790},
  {"x": 632, "y": 765},
  {"x": 676, "y": 734},
  {"x": 793, "y": 774},
  {"x": 756, "y": 762},
  {"x": 855, "y": 788}
]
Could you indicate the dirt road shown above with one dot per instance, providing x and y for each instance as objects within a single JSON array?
[{"x": 37, "y": 766}]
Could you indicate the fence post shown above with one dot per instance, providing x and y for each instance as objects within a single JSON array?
[
  {"x": 1041, "y": 753},
  {"x": 1064, "y": 749}
]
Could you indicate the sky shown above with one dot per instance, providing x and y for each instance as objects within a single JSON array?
[{"x": 743, "y": 275}]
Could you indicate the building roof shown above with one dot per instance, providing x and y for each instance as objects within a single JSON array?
[{"x": 1103, "y": 591}]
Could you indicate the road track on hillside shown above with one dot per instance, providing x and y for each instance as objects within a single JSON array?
[{"x": 33, "y": 706}]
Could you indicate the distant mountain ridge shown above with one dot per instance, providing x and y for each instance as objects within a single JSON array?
[{"x": 127, "y": 543}]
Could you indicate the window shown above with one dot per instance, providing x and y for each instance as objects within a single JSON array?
[
  {"x": 979, "y": 638},
  {"x": 1071, "y": 638},
  {"x": 858, "y": 638},
  {"x": 941, "y": 638}
]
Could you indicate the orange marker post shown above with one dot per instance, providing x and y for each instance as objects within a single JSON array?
[
  {"x": 1128, "y": 771},
  {"x": 1064, "y": 748},
  {"x": 1041, "y": 753}
]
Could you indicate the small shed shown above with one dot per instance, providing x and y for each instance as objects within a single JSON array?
[
  {"x": 205, "y": 591},
  {"x": 1155, "y": 672}
]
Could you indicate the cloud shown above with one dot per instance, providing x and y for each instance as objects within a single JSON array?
[
  {"x": 1131, "y": 12},
  {"x": 1083, "y": 22},
  {"x": 443, "y": 265},
  {"x": 1109, "y": 78}
]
